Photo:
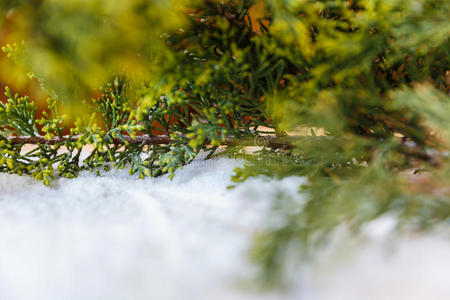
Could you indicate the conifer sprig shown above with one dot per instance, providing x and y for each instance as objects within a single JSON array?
[{"x": 111, "y": 136}]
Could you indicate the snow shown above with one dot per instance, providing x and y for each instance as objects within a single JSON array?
[{"x": 116, "y": 237}]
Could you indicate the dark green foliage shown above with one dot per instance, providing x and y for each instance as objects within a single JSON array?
[
  {"x": 357, "y": 91},
  {"x": 373, "y": 76},
  {"x": 108, "y": 126}
]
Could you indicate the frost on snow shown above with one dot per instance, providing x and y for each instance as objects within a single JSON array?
[{"x": 116, "y": 237}]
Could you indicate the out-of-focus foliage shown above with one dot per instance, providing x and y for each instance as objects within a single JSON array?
[
  {"x": 374, "y": 77},
  {"x": 11, "y": 74},
  {"x": 75, "y": 46},
  {"x": 359, "y": 89}
]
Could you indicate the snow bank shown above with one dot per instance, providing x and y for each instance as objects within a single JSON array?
[{"x": 119, "y": 238}]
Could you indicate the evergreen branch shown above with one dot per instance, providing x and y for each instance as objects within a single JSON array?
[
  {"x": 138, "y": 140},
  {"x": 272, "y": 142},
  {"x": 262, "y": 141}
]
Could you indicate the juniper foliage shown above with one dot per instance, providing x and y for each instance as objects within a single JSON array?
[{"x": 355, "y": 92}]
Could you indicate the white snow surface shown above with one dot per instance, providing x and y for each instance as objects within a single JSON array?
[{"x": 119, "y": 238}]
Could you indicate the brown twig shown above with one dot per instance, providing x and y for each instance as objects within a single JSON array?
[
  {"x": 148, "y": 140},
  {"x": 268, "y": 141}
]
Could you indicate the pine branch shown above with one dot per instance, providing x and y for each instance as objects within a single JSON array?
[
  {"x": 144, "y": 139},
  {"x": 262, "y": 141}
]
